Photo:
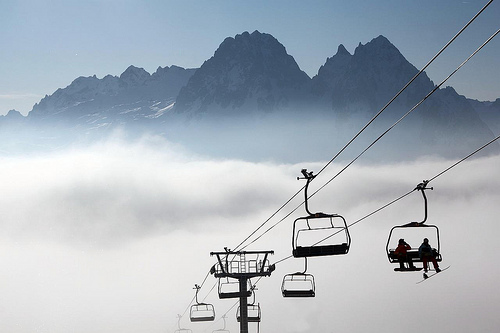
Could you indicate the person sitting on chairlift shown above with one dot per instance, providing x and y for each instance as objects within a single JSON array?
[
  {"x": 426, "y": 253},
  {"x": 402, "y": 254}
]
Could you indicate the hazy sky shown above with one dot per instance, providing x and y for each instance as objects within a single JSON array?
[
  {"x": 47, "y": 44},
  {"x": 112, "y": 238}
]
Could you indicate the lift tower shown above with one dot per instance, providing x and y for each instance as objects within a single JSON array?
[{"x": 241, "y": 266}]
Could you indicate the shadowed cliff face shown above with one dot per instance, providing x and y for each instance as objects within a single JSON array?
[{"x": 251, "y": 72}]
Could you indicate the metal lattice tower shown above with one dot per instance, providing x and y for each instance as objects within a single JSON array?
[{"x": 242, "y": 266}]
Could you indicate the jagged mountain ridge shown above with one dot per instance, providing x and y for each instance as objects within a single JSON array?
[
  {"x": 489, "y": 113},
  {"x": 134, "y": 95},
  {"x": 369, "y": 78},
  {"x": 346, "y": 92},
  {"x": 253, "y": 74}
]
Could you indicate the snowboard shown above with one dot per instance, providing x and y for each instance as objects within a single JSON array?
[{"x": 431, "y": 275}]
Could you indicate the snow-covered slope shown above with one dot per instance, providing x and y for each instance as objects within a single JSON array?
[{"x": 133, "y": 96}]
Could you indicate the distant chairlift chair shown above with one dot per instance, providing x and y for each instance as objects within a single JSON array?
[
  {"x": 253, "y": 311},
  {"x": 181, "y": 330},
  {"x": 298, "y": 284},
  {"x": 201, "y": 311}
]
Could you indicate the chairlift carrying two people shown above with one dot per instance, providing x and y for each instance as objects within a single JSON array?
[{"x": 407, "y": 256}]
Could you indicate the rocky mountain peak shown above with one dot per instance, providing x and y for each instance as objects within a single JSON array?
[
  {"x": 341, "y": 50},
  {"x": 249, "y": 71},
  {"x": 134, "y": 76},
  {"x": 380, "y": 50},
  {"x": 368, "y": 78}
]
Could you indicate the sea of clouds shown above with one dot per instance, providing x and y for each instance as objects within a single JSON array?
[{"x": 113, "y": 237}]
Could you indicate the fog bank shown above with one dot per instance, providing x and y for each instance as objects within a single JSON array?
[{"x": 113, "y": 238}]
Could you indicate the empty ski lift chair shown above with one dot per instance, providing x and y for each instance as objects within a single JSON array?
[
  {"x": 201, "y": 311},
  {"x": 298, "y": 284},
  {"x": 319, "y": 234},
  {"x": 229, "y": 288},
  {"x": 253, "y": 311},
  {"x": 223, "y": 329}
]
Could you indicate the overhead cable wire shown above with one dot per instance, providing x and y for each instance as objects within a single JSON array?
[
  {"x": 378, "y": 114},
  {"x": 359, "y": 133},
  {"x": 379, "y": 137},
  {"x": 410, "y": 111},
  {"x": 404, "y": 88},
  {"x": 466, "y": 157},
  {"x": 355, "y": 222},
  {"x": 274, "y": 214},
  {"x": 408, "y": 193},
  {"x": 428, "y": 181}
]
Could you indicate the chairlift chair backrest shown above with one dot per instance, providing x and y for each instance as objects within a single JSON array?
[
  {"x": 318, "y": 235},
  {"x": 253, "y": 313},
  {"x": 298, "y": 285},
  {"x": 230, "y": 288},
  {"x": 202, "y": 312}
]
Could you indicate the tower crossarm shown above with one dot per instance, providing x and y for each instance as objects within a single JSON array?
[{"x": 230, "y": 264}]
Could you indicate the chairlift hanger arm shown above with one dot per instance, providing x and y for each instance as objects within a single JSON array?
[
  {"x": 305, "y": 265},
  {"x": 197, "y": 287},
  {"x": 308, "y": 176},
  {"x": 422, "y": 187}
]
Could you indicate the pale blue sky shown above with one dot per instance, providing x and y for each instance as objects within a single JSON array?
[{"x": 47, "y": 44}]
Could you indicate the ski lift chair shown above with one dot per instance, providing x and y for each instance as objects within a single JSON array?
[
  {"x": 298, "y": 284},
  {"x": 414, "y": 229},
  {"x": 230, "y": 288},
  {"x": 253, "y": 310},
  {"x": 317, "y": 234},
  {"x": 201, "y": 311}
]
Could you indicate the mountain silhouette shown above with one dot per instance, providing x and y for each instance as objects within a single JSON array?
[{"x": 251, "y": 100}]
